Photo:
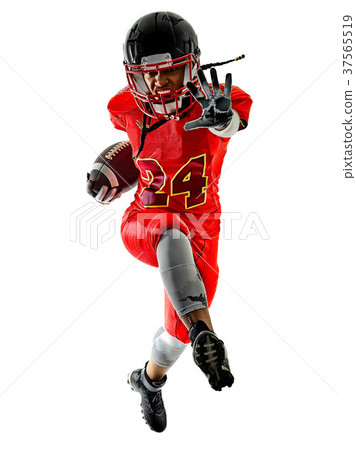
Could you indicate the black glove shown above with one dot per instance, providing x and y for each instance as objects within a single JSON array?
[
  {"x": 105, "y": 195},
  {"x": 216, "y": 106}
]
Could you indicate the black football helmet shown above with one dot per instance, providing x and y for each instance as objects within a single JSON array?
[{"x": 156, "y": 42}]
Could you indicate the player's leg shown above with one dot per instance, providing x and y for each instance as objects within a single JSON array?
[
  {"x": 186, "y": 291},
  {"x": 180, "y": 276},
  {"x": 155, "y": 372},
  {"x": 149, "y": 381},
  {"x": 200, "y": 314},
  {"x": 166, "y": 350},
  {"x": 141, "y": 233}
]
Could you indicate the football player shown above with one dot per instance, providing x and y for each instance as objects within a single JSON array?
[{"x": 179, "y": 127}]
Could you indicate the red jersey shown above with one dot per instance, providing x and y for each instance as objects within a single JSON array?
[{"x": 179, "y": 170}]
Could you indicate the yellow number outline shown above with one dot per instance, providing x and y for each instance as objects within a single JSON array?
[
  {"x": 187, "y": 193},
  {"x": 150, "y": 180}
]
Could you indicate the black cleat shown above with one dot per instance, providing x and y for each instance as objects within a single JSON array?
[
  {"x": 210, "y": 355},
  {"x": 152, "y": 406}
]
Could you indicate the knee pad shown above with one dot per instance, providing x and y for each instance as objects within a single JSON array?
[
  {"x": 180, "y": 276},
  {"x": 166, "y": 349}
]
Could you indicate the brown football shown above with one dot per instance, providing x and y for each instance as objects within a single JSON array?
[{"x": 114, "y": 167}]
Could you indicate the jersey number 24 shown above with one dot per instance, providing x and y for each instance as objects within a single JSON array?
[{"x": 190, "y": 180}]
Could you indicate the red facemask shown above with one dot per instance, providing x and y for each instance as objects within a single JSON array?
[{"x": 171, "y": 105}]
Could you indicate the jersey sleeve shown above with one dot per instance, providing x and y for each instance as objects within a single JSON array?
[
  {"x": 241, "y": 102},
  {"x": 119, "y": 106}
]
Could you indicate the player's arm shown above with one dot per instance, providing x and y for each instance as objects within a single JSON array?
[{"x": 102, "y": 182}]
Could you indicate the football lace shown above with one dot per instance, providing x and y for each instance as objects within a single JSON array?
[{"x": 117, "y": 148}]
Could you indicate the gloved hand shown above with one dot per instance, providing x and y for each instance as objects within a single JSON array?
[
  {"x": 105, "y": 195},
  {"x": 217, "y": 111}
]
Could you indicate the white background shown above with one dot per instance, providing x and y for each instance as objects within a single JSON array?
[{"x": 74, "y": 320}]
